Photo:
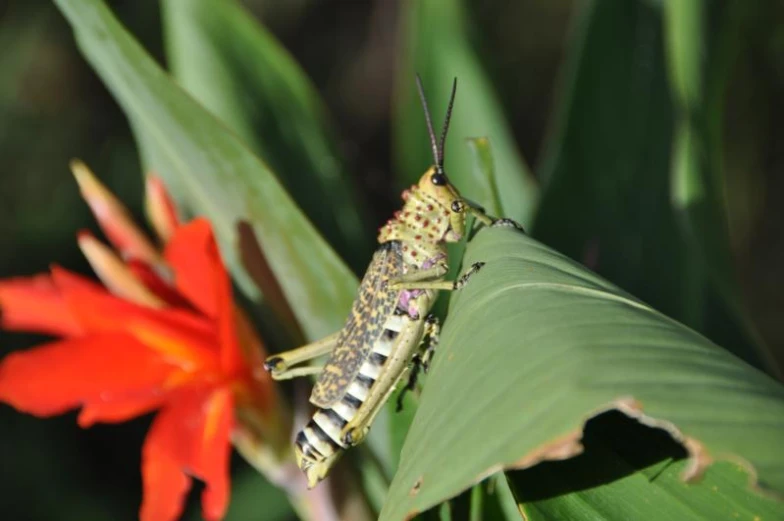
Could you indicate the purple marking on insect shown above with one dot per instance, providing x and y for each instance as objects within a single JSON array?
[{"x": 407, "y": 300}]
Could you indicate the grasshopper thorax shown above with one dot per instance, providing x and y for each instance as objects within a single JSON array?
[{"x": 433, "y": 213}]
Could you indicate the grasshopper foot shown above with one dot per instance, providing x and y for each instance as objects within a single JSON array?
[
  {"x": 274, "y": 364},
  {"x": 463, "y": 280},
  {"x": 354, "y": 436},
  {"x": 503, "y": 222}
]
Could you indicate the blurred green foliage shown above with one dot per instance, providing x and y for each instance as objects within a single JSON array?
[{"x": 701, "y": 95}]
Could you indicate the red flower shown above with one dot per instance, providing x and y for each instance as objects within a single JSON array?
[{"x": 163, "y": 333}]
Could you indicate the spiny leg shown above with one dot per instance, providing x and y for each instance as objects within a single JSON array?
[
  {"x": 296, "y": 372},
  {"x": 280, "y": 365},
  {"x": 494, "y": 222},
  {"x": 417, "y": 365},
  {"x": 444, "y": 285},
  {"x": 406, "y": 344},
  {"x": 421, "y": 362},
  {"x": 463, "y": 280},
  {"x": 432, "y": 330},
  {"x": 479, "y": 213},
  {"x": 435, "y": 272},
  {"x": 504, "y": 222}
]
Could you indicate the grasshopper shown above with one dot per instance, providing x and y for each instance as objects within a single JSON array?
[{"x": 384, "y": 335}]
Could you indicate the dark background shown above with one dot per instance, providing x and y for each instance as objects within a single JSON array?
[{"x": 53, "y": 108}]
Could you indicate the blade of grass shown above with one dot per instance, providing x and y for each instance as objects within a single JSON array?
[
  {"x": 232, "y": 65},
  {"x": 214, "y": 172}
]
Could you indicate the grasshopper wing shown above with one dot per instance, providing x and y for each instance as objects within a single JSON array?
[{"x": 373, "y": 305}]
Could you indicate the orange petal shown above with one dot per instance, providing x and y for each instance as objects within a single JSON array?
[
  {"x": 202, "y": 277},
  {"x": 193, "y": 256},
  {"x": 190, "y": 435},
  {"x": 113, "y": 217},
  {"x": 215, "y": 454},
  {"x": 59, "y": 376},
  {"x": 164, "y": 483},
  {"x": 114, "y": 273},
  {"x": 35, "y": 304},
  {"x": 161, "y": 210},
  {"x": 180, "y": 337},
  {"x": 117, "y": 411},
  {"x": 231, "y": 358}
]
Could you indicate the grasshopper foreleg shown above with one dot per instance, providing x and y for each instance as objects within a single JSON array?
[
  {"x": 505, "y": 222},
  {"x": 445, "y": 285},
  {"x": 434, "y": 273},
  {"x": 280, "y": 365},
  {"x": 480, "y": 215},
  {"x": 463, "y": 280}
]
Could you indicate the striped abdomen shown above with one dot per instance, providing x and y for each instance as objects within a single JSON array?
[{"x": 321, "y": 438}]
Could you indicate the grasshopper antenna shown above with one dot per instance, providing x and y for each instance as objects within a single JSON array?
[
  {"x": 438, "y": 147},
  {"x": 436, "y": 155},
  {"x": 446, "y": 124}
]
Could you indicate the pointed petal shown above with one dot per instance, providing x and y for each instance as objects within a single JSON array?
[
  {"x": 191, "y": 434},
  {"x": 161, "y": 210},
  {"x": 119, "y": 410},
  {"x": 59, "y": 376},
  {"x": 179, "y": 337},
  {"x": 193, "y": 256},
  {"x": 202, "y": 277},
  {"x": 164, "y": 483},
  {"x": 215, "y": 453},
  {"x": 114, "y": 218},
  {"x": 231, "y": 358},
  {"x": 114, "y": 273},
  {"x": 35, "y": 304}
]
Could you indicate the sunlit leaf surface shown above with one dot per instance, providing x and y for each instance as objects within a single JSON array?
[{"x": 535, "y": 345}]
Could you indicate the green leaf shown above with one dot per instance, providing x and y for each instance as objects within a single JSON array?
[
  {"x": 435, "y": 36},
  {"x": 536, "y": 344},
  {"x": 213, "y": 171},
  {"x": 614, "y": 163},
  {"x": 240, "y": 72},
  {"x": 492, "y": 500},
  {"x": 699, "y": 64},
  {"x": 484, "y": 174},
  {"x": 629, "y": 471}
]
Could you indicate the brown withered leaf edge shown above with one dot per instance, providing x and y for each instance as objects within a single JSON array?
[{"x": 569, "y": 446}]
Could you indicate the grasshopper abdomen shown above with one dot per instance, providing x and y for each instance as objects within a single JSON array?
[{"x": 324, "y": 437}]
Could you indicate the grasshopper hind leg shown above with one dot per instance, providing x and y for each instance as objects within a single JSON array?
[
  {"x": 280, "y": 365},
  {"x": 421, "y": 363},
  {"x": 413, "y": 378}
]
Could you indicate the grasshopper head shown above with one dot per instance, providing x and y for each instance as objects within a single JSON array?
[
  {"x": 434, "y": 211},
  {"x": 449, "y": 208},
  {"x": 434, "y": 185}
]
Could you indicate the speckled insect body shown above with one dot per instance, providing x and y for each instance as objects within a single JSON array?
[{"x": 384, "y": 335}]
